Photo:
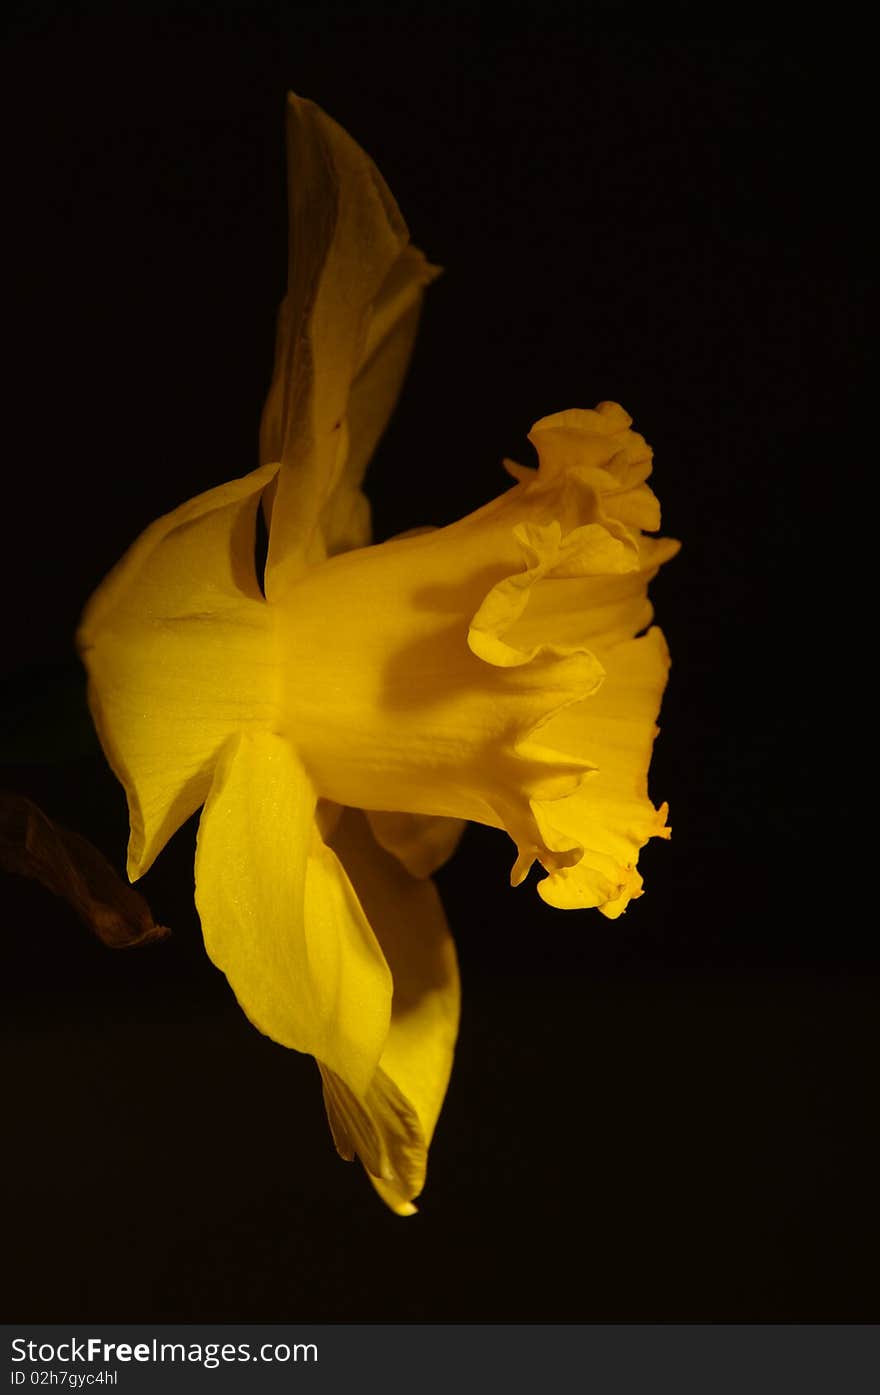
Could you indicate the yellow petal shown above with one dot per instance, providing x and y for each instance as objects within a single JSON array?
[
  {"x": 610, "y": 815},
  {"x": 345, "y": 520},
  {"x": 392, "y": 1124},
  {"x": 354, "y": 287},
  {"x": 598, "y": 611},
  {"x": 381, "y": 1128},
  {"x": 179, "y": 647},
  {"x": 598, "y": 449},
  {"x": 280, "y": 917},
  {"x": 421, "y": 842}
]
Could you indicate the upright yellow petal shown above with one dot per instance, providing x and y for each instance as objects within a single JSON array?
[
  {"x": 354, "y": 287},
  {"x": 280, "y": 917},
  {"x": 391, "y": 1124},
  {"x": 179, "y": 648},
  {"x": 392, "y": 325}
]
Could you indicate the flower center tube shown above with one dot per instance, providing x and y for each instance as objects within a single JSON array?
[{"x": 381, "y": 695}]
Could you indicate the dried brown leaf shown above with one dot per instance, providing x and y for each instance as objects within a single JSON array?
[{"x": 33, "y": 845}]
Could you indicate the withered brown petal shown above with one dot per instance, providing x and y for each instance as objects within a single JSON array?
[{"x": 33, "y": 845}]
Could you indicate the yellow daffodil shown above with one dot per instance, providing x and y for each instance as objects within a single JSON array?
[{"x": 341, "y": 722}]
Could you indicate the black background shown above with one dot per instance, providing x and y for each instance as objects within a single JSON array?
[{"x": 670, "y": 1117}]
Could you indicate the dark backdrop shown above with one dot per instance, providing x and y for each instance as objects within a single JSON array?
[{"x": 670, "y": 1117}]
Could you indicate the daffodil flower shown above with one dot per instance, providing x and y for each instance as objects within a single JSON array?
[{"x": 340, "y": 722}]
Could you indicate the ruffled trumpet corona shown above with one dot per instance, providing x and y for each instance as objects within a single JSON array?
[{"x": 340, "y": 721}]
